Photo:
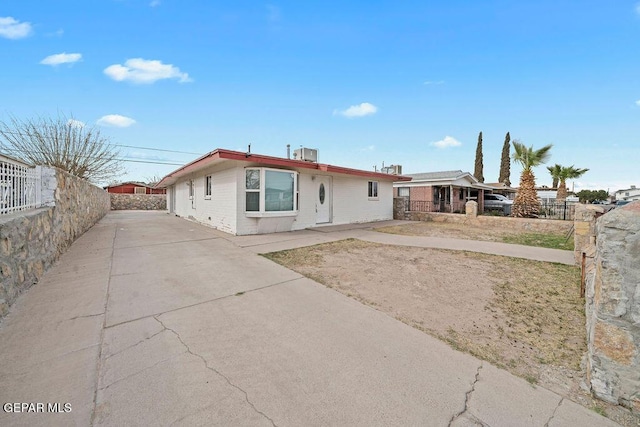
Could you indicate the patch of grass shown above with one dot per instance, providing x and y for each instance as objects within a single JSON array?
[
  {"x": 531, "y": 379},
  {"x": 599, "y": 410},
  {"x": 543, "y": 240}
]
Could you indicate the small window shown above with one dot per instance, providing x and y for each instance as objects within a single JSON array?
[
  {"x": 252, "y": 188},
  {"x": 207, "y": 187},
  {"x": 403, "y": 192},
  {"x": 140, "y": 190},
  {"x": 190, "y": 183},
  {"x": 373, "y": 189}
]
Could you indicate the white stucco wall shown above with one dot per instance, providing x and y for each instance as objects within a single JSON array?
[{"x": 226, "y": 208}]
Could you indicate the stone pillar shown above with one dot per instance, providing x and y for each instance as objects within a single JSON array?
[
  {"x": 584, "y": 224},
  {"x": 613, "y": 309},
  {"x": 400, "y": 207},
  {"x": 471, "y": 209}
]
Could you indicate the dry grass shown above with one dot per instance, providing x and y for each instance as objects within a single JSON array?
[{"x": 524, "y": 316}]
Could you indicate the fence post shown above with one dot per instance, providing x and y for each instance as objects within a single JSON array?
[
  {"x": 38, "y": 186},
  {"x": 565, "y": 211}
]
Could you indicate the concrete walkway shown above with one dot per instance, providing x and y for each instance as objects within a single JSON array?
[
  {"x": 296, "y": 239},
  {"x": 153, "y": 320}
]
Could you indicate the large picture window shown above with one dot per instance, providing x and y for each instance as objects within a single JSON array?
[{"x": 271, "y": 190}]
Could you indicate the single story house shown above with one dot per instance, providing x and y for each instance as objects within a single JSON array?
[
  {"x": 445, "y": 191},
  {"x": 632, "y": 193},
  {"x": 133, "y": 187},
  {"x": 246, "y": 193}
]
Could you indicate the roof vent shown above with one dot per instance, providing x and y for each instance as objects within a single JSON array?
[{"x": 306, "y": 154}]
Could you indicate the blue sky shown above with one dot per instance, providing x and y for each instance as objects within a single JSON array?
[{"x": 408, "y": 83}]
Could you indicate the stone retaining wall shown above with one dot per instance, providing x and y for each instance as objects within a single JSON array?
[
  {"x": 533, "y": 225},
  {"x": 612, "y": 278},
  {"x": 31, "y": 241},
  {"x": 145, "y": 202}
]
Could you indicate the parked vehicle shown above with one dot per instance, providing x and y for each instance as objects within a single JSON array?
[
  {"x": 620, "y": 203},
  {"x": 497, "y": 202}
]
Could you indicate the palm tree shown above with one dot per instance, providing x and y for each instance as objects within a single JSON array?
[
  {"x": 555, "y": 174},
  {"x": 526, "y": 203},
  {"x": 566, "y": 173}
]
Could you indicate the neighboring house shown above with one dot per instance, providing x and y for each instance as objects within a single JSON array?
[
  {"x": 446, "y": 191},
  {"x": 247, "y": 193},
  {"x": 548, "y": 196},
  {"x": 133, "y": 187},
  {"x": 632, "y": 193}
]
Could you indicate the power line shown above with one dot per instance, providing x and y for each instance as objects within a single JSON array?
[
  {"x": 125, "y": 146},
  {"x": 169, "y": 163},
  {"x": 158, "y": 149}
]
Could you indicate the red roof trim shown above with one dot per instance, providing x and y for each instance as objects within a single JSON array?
[{"x": 273, "y": 161}]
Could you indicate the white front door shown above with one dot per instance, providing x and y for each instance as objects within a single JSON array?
[{"x": 323, "y": 199}]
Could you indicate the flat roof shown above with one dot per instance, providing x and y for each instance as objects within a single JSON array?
[{"x": 218, "y": 155}]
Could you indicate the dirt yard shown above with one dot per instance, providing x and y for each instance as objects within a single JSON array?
[
  {"x": 524, "y": 316},
  {"x": 474, "y": 232}
]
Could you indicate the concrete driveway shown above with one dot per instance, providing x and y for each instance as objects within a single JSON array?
[{"x": 153, "y": 320}]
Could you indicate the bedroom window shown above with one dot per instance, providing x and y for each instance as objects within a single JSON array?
[
  {"x": 207, "y": 187},
  {"x": 373, "y": 189}
]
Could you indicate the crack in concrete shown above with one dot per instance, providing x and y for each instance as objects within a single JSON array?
[
  {"x": 104, "y": 324},
  {"x": 168, "y": 243},
  {"x": 203, "y": 302},
  {"x": 133, "y": 345},
  {"x": 83, "y": 317},
  {"x": 554, "y": 412},
  {"x": 206, "y": 364},
  {"x": 467, "y": 398},
  {"x": 30, "y": 367},
  {"x": 146, "y": 368}
]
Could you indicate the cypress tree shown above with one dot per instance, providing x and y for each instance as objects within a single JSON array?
[
  {"x": 478, "y": 171},
  {"x": 505, "y": 162}
]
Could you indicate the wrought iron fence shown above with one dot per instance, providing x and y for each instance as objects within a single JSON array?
[
  {"x": 545, "y": 210},
  {"x": 19, "y": 186},
  {"x": 424, "y": 206}
]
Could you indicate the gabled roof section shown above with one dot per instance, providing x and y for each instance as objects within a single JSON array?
[
  {"x": 220, "y": 155},
  {"x": 455, "y": 177},
  {"x": 427, "y": 176}
]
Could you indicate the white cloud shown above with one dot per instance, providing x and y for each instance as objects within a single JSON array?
[
  {"x": 154, "y": 3},
  {"x": 61, "y": 58},
  {"x": 638, "y": 102},
  {"x": 433, "y": 82},
  {"x": 75, "y": 123},
  {"x": 13, "y": 29},
  {"x": 361, "y": 110},
  {"x": 638, "y": 8},
  {"x": 369, "y": 148},
  {"x": 447, "y": 142},
  {"x": 115, "y": 120},
  {"x": 138, "y": 70},
  {"x": 273, "y": 13}
]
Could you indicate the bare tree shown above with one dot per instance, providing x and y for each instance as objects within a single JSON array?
[{"x": 64, "y": 143}]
